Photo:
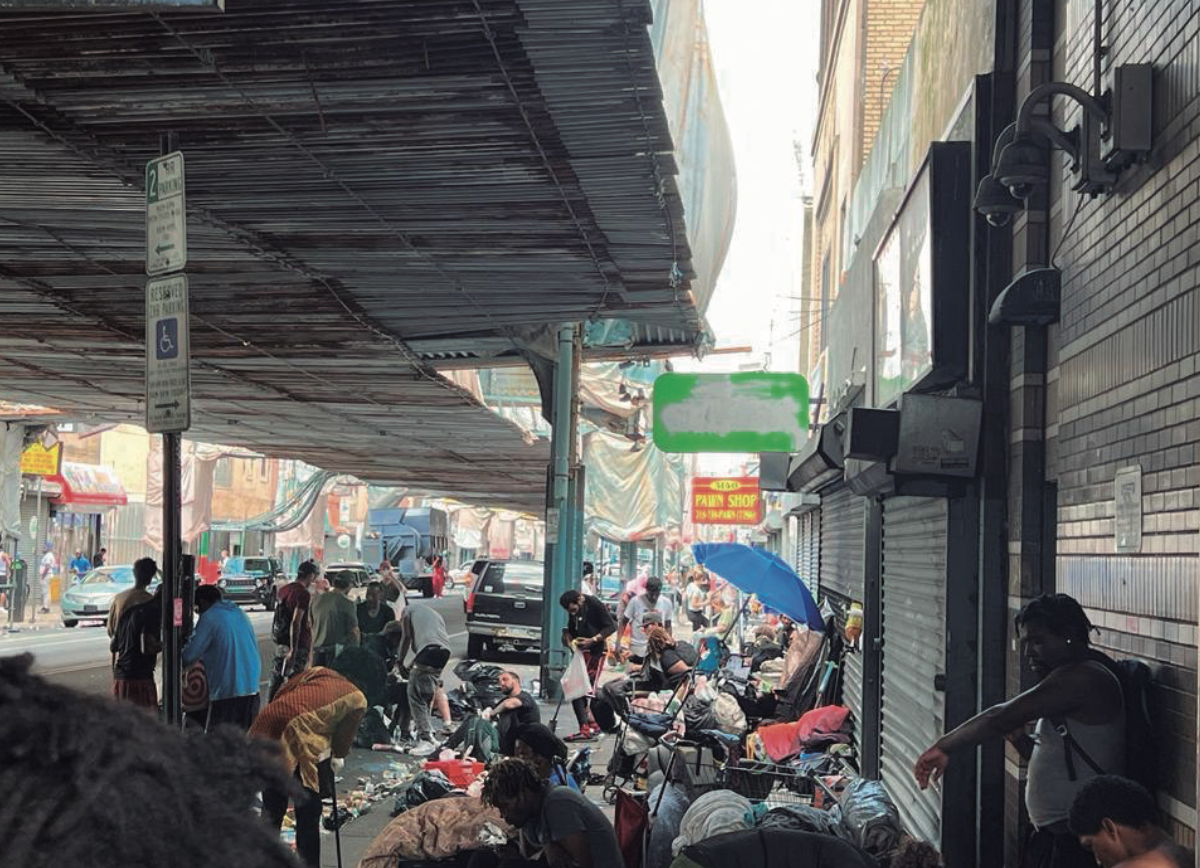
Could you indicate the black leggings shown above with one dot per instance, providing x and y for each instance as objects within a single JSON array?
[
  {"x": 308, "y": 820},
  {"x": 699, "y": 622}
]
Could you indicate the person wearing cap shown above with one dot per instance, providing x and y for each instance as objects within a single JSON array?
[
  {"x": 292, "y": 605},
  {"x": 649, "y": 607}
]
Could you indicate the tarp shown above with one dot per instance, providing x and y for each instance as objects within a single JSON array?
[
  {"x": 196, "y": 489},
  {"x": 12, "y": 439},
  {"x": 631, "y": 495},
  {"x": 758, "y": 571}
]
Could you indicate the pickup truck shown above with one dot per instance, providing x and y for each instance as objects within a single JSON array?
[{"x": 504, "y": 606}]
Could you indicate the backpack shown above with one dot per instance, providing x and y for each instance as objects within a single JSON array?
[
  {"x": 478, "y": 736},
  {"x": 1141, "y": 755},
  {"x": 281, "y": 625}
]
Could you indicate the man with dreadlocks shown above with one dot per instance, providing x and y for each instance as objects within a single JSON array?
[
  {"x": 1074, "y": 686},
  {"x": 89, "y": 781},
  {"x": 572, "y": 830}
]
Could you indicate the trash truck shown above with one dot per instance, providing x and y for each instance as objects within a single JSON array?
[{"x": 408, "y": 538}]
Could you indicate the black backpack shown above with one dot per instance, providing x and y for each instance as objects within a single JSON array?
[
  {"x": 281, "y": 625},
  {"x": 1141, "y": 755}
]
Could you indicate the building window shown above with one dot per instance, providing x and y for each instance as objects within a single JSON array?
[{"x": 223, "y": 473}]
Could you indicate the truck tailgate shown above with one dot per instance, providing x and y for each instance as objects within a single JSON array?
[{"x": 509, "y": 595}]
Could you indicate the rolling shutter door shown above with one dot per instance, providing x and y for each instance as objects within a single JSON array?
[
  {"x": 842, "y": 529},
  {"x": 842, "y": 525},
  {"x": 31, "y": 549},
  {"x": 810, "y": 549},
  {"x": 913, "y": 585}
]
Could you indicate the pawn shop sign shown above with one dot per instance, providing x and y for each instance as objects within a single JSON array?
[{"x": 726, "y": 500}]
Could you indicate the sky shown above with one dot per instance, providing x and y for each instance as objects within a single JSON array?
[{"x": 765, "y": 55}]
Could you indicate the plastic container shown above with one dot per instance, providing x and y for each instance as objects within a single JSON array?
[{"x": 460, "y": 772}]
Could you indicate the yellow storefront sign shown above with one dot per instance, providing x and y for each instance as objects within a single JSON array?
[{"x": 37, "y": 460}]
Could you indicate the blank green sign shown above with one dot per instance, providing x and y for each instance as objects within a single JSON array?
[{"x": 751, "y": 412}]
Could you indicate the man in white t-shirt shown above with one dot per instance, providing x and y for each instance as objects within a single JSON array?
[
  {"x": 46, "y": 571},
  {"x": 646, "y": 608}
]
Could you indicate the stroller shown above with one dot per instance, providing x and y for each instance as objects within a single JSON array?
[{"x": 638, "y": 734}]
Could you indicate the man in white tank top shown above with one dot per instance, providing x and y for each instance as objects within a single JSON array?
[{"x": 1074, "y": 689}]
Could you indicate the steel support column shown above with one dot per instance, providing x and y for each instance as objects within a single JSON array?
[{"x": 561, "y": 575}]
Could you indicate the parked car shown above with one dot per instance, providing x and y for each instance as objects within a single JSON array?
[
  {"x": 504, "y": 607},
  {"x": 360, "y": 573},
  {"x": 252, "y": 580},
  {"x": 93, "y": 596}
]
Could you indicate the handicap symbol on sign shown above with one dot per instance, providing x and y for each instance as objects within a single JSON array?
[{"x": 167, "y": 345}]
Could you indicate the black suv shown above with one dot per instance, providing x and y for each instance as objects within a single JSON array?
[
  {"x": 252, "y": 580},
  {"x": 504, "y": 606}
]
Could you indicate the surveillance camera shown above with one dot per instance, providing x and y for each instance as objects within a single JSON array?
[
  {"x": 1021, "y": 191},
  {"x": 998, "y": 218}
]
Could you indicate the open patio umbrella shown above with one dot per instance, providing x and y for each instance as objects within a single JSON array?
[{"x": 757, "y": 571}]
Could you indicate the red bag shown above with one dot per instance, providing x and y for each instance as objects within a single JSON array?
[{"x": 632, "y": 822}]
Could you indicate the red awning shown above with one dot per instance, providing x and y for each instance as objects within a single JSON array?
[{"x": 89, "y": 485}]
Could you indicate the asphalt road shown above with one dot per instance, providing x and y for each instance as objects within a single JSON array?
[{"x": 78, "y": 657}]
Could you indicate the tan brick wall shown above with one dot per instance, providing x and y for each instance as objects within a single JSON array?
[{"x": 889, "y": 31}]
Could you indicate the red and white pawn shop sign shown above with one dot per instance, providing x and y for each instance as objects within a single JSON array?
[{"x": 726, "y": 500}]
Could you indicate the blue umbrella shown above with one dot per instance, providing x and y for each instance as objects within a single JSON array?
[{"x": 757, "y": 571}]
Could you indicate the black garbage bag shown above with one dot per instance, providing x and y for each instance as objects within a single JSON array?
[
  {"x": 425, "y": 787},
  {"x": 372, "y": 730},
  {"x": 870, "y": 816},
  {"x": 697, "y": 715},
  {"x": 365, "y": 670}
]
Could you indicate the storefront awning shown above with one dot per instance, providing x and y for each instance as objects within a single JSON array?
[{"x": 88, "y": 485}]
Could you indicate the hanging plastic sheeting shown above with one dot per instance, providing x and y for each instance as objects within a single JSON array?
[
  {"x": 703, "y": 149},
  {"x": 500, "y": 538},
  {"x": 196, "y": 487},
  {"x": 631, "y": 495},
  {"x": 524, "y": 538},
  {"x": 467, "y": 526},
  {"x": 12, "y": 442},
  {"x": 310, "y": 533}
]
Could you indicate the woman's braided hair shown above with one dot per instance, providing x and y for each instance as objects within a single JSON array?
[{"x": 90, "y": 781}]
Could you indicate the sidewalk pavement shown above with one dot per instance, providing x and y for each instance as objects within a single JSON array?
[{"x": 382, "y": 771}]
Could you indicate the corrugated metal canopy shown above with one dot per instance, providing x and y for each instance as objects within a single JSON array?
[{"x": 363, "y": 178}]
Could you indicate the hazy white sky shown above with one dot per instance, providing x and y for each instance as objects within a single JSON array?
[{"x": 765, "y": 54}]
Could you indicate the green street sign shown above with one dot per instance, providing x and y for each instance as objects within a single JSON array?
[{"x": 750, "y": 412}]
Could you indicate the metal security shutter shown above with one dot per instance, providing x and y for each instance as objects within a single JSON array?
[
  {"x": 913, "y": 585},
  {"x": 31, "y": 549},
  {"x": 842, "y": 529},
  {"x": 808, "y": 566}
]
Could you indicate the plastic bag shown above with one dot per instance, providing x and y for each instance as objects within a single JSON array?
[
  {"x": 806, "y": 818},
  {"x": 870, "y": 816},
  {"x": 729, "y": 715},
  {"x": 425, "y": 787},
  {"x": 372, "y": 730},
  {"x": 575, "y": 681}
]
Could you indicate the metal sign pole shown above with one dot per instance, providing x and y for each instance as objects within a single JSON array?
[{"x": 172, "y": 669}]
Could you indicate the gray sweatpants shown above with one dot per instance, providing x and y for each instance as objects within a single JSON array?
[{"x": 422, "y": 685}]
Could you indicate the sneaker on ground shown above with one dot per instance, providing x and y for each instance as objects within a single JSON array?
[
  {"x": 584, "y": 734},
  {"x": 424, "y": 748}
]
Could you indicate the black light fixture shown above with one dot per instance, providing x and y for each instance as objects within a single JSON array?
[
  {"x": 994, "y": 201},
  {"x": 1022, "y": 166}
]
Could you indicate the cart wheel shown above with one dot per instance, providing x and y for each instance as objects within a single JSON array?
[{"x": 610, "y": 794}]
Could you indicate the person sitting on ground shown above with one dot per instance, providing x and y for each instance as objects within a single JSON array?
[
  {"x": 1074, "y": 686},
  {"x": 545, "y": 751},
  {"x": 570, "y": 828},
  {"x": 1117, "y": 822},
  {"x": 516, "y": 709},
  {"x": 668, "y": 663},
  {"x": 86, "y": 797}
]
